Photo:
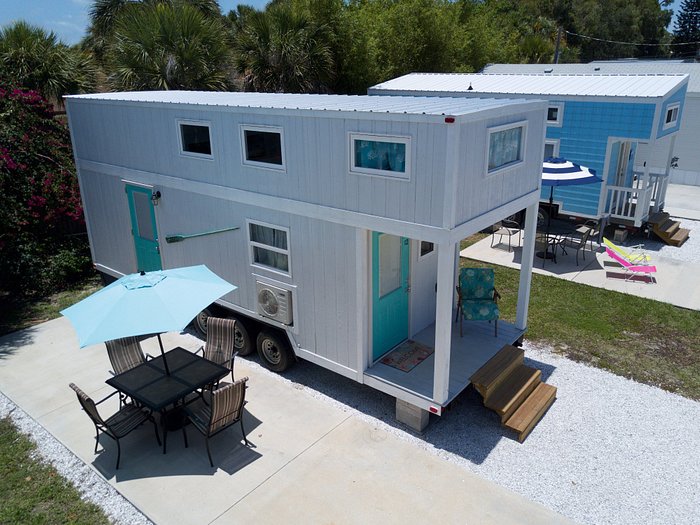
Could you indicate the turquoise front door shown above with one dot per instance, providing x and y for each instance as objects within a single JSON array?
[
  {"x": 389, "y": 292},
  {"x": 143, "y": 228}
]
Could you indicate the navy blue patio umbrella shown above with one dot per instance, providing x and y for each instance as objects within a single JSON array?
[{"x": 561, "y": 172}]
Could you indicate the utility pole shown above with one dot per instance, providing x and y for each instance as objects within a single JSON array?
[{"x": 556, "y": 49}]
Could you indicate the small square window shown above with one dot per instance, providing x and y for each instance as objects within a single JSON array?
[
  {"x": 426, "y": 248},
  {"x": 505, "y": 146},
  {"x": 263, "y": 146},
  {"x": 554, "y": 114},
  {"x": 671, "y": 116},
  {"x": 195, "y": 139},
  {"x": 268, "y": 247},
  {"x": 380, "y": 155}
]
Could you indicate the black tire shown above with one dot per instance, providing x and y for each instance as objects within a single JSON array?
[
  {"x": 542, "y": 216},
  {"x": 242, "y": 341},
  {"x": 200, "y": 321},
  {"x": 274, "y": 350}
]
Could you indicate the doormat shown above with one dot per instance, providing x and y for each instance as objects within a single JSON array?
[{"x": 407, "y": 355}]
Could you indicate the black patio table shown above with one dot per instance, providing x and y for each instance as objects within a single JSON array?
[{"x": 150, "y": 385}]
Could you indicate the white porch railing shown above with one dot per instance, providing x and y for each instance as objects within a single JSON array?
[{"x": 646, "y": 196}]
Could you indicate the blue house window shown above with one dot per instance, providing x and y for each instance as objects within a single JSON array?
[
  {"x": 506, "y": 146},
  {"x": 671, "y": 115},
  {"x": 555, "y": 114},
  {"x": 380, "y": 155},
  {"x": 194, "y": 138}
]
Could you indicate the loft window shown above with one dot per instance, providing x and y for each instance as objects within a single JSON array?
[
  {"x": 671, "y": 116},
  {"x": 551, "y": 148},
  {"x": 380, "y": 155},
  {"x": 554, "y": 114},
  {"x": 506, "y": 146},
  {"x": 263, "y": 146},
  {"x": 195, "y": 139},
  {"x": 269, "y": 246},
  {"x": 426, "y": 248}
]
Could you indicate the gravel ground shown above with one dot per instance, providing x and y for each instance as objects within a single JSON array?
[
  {"x": 609, "y": 451},
  {"x": 689, "y": 252}
]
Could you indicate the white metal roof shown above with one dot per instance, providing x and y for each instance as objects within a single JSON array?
[
  {"x": 635, "y": 86},
  {"x": 344, "y": 103},
  {"x": 608, "y": 67}
]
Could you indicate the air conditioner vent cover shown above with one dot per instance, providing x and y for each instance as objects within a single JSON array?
[{"x": 274, "y": 302}]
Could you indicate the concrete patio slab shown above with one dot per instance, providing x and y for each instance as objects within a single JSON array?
[
  {"x": 311, "y": 461},
  {"x": 676, "y": 282},
  {"x": 683, "y": 201}
]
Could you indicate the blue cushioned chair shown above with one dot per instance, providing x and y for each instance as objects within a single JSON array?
[{"x": 477, "y": 297}]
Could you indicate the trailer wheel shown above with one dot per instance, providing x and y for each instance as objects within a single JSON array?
[
  {"x": 241, "y": 339},
  {"x": 200, "y": 322},
  {"x": 274, "y": 351},
  {"x": 543, "y": 216}
]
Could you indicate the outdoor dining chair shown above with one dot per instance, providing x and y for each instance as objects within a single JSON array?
[
  {"x": 220, "y": 344},
  {"x": 576, "y": 243},
  {"x": 118, "y": 425},
  {"x": 506, "y": 228},
  {"x": 223, "y": 408},
  {"x": 125, "y": 354}
]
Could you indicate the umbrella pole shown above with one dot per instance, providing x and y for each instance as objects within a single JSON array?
[
  {"x": 549, "y": 220},
  {"x": 162, "y": 352}
]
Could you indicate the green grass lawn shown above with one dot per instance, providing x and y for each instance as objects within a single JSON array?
[
  {"x": 649, "y": 341},
  {"x": 32, "y": 491}
]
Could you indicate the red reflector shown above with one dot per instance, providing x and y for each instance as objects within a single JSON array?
[
  {"x": 449, "y": 120},
  {"x": 434, "y": 410}
]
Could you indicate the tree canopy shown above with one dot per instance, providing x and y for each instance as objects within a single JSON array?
[{"x": 686, "y": 30}]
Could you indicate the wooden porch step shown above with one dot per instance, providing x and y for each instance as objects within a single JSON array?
[
  {"x": 513, "y": 390},
  {"x": 668, "y": 227},
  {"x": 489, "y": 376},
  {"x": 679, "y": 237},
  {"x": 531, "y": 410}
]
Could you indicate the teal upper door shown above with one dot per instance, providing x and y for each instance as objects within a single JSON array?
[
  {"x": 389, "y": 292},
  {"x": 143, "y": 228}
]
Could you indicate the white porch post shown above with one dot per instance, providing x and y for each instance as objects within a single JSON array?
[
  {"x": 526, "y": 265},
  {"x": 443, "y": 320}
]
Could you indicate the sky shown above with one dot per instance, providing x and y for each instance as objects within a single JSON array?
[{"x": 69, "y": 18}]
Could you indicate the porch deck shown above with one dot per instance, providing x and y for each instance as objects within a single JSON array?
[{"x": 468, "y": 354}]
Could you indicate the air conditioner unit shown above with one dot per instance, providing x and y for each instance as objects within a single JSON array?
[{"x": 274, "y": 303}]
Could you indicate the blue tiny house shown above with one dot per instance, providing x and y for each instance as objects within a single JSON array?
[
  {"x": 338, "y": 218},
  {"x": 596, "y": 121}
]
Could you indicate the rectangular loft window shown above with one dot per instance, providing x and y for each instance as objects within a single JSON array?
[
  {"x": 380, "y": 155},
  {"x": 195, "y": 139},
  {"x": 263, "y": 146},
  {"x": 671, "y": 115},
  {"x": 426, "y": 248},
  {"x": 269, "y": 246},
  {"x": 506, "y": 146},
  {"x": 555, "y": 112},
  {"x": 551, "y": 148}
]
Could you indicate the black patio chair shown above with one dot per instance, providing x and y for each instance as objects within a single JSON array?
[
  {"x": 223, "y": 409},
  {"x": 118, "y": 425}
]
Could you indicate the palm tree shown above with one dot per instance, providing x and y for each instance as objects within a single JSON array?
[
  {"x": 34, "y": 59},
  {"x": 281, "y": 50},
  {"x": 160, "y": 45},
  {"x": 104, "y": 16}
]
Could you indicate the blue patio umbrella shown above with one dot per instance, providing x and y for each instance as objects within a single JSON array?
[
  {"x": 146, "y": 303},
  {"x": 561, "y": 172}
]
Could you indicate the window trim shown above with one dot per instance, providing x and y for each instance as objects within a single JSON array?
[
  {"x": 670, "y": 108},
  {"x": 256, "y": 163},
  {"x": 193, "y": 154},
  {"x": 523, "y": 142},
  {"x": 253, "y": 244},
  {"x": 555, "y": 143},
  {"x": 422, "y": 255},
  {"x": 560, "y": 114},
  {"x": 398, "y": 139}
]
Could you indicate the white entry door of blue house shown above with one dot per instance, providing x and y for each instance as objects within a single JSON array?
[
  {"x": 143, "y": 228},
  {"x": 389, "y": 292}
]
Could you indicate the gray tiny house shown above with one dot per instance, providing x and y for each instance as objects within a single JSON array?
[{"x": 338, "y": 218}]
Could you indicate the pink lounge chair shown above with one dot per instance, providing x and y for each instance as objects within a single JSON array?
[{"x": 631, "y": 270}]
